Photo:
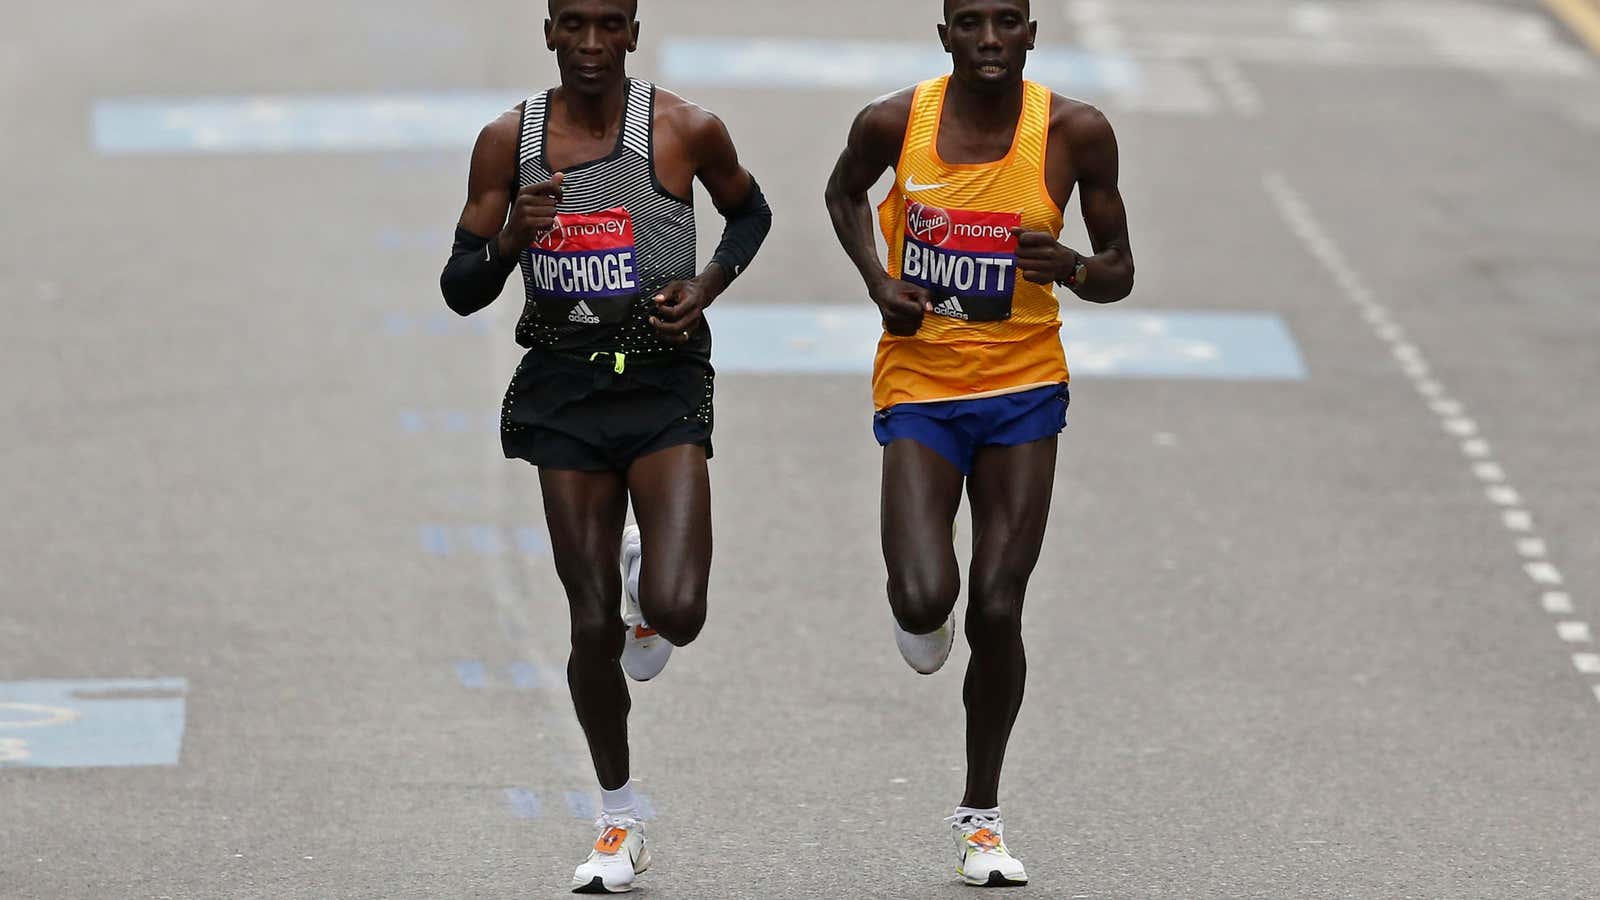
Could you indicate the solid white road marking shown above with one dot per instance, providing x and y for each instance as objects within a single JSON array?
[{"x": 1587, "y": 663}]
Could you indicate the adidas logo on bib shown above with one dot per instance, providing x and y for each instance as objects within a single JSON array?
[
  {"x": 583, "y": 315},
  {"x": 951, "y": 307}
]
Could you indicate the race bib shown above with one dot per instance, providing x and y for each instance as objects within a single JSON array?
[
  {"x": 585, "y": 271},
  {"x": 968, "y": 260}
]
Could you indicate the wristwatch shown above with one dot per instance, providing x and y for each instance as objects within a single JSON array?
[{"x": 1080, "y": 271}]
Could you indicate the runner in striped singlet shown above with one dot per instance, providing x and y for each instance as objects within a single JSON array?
[
  {"x": 588, "y": 188},
  {"x": 970, "y": 381}
]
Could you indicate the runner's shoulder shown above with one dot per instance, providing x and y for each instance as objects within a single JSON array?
[
  {"x": 887, "y": 117},
  {"x": 498, "y": 141},
  {"x": 1077, "y": 122},
  {"x": 686, "y": 120}
]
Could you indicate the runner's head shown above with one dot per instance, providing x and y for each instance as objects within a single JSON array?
[
  {"x": 591, "y": 40},
  {"x": 988, "y": 41}
]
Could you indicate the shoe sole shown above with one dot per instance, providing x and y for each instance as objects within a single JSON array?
[
  {"x": 995, "y": 879},
  {"x": 597, "y": 885}
]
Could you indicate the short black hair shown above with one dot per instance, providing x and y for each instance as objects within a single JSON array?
[
  {"x": 1027, "y": 8},
  {"x": 633, "y": 8}
]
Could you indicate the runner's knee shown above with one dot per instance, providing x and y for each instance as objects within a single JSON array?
[
  {"x": 679, "y": 617},
  {"x": 994, "y": 608},
  {"x": 598, "y": 633},
  {"x": 922, "y": 598}
]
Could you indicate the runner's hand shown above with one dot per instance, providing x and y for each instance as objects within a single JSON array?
[
  {"x": 1041, "y": 259},
  {"x": 679, "y": 308},
  {"x": 532, "y": 215},
  {"x": 903, "y": 305}
]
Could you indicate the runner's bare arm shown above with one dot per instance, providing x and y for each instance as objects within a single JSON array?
[
  {"x": 873, "y": 147},
  {"x": 487, "y": 239},
  {"x": 703, "y": 139},
  {"x": 1109, "y": 274}
]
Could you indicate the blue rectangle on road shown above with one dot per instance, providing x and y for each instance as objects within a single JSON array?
[
  {"x": 821, "y": 64},
  {"x": 313, "y": 123},
  {"x": 91, "y": 724},
  {"x": 815, "y": 340}
]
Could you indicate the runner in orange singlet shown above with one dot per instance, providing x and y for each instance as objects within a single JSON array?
[{"x": 970, "y": 381}]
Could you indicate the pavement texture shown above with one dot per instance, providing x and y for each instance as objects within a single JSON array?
[{"x": 1284, "y": 640}]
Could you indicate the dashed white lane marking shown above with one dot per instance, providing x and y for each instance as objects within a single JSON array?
[
  {"x": 1489, "y": 471},
  {"x": 1574, "y": 632},
  {"x": 1501, "y": 495},
  {"x": 1543, "y": 573},
  {"x": 1241, "y": 95},
  {"x": 1532, "y": 550}
]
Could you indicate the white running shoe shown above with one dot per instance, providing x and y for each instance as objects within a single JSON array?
[
  {"x": 927, "y": 652},
  {"x": 646, "y": 652},
  {"x": 618, "y": 855},
  {"x": 982, "y": 857}
]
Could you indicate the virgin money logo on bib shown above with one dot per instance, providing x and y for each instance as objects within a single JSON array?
[
  {"x": 586, "y": 256},
  {"x": 928, "y": 224},
  {"x": 967, "y": 259}
]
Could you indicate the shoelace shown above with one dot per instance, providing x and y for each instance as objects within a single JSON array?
[
  {"x": 971, "y": 825},
  {"x": 607, "y": 821}
]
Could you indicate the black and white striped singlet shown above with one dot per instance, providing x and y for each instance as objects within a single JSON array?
[{"x": 620, "y": 237}]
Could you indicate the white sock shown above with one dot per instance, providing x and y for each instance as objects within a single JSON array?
[
  {"x": 967, "y": 812},
  {"x": 620, "y": 800}
]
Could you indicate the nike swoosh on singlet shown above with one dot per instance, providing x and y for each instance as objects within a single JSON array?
[{"x": 912, "y": 187}]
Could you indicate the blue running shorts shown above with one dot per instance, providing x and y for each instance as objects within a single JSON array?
[{"x": 955, "y": 429}]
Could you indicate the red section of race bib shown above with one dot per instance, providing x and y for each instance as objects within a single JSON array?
[
  {"x": 962, "y": 230},
  {"x": 610, "y": 229}
]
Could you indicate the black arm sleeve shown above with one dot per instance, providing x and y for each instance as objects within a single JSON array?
[
  {"x": 748, "y": 224},
  {"x": 475, "y": 275}
]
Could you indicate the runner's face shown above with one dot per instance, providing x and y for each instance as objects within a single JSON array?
[
  {"x": 988, "y": 40},
  {"x": 591, "y": 40}
]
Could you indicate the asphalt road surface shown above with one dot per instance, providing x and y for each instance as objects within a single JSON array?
[{"x": 276, "y": 620}]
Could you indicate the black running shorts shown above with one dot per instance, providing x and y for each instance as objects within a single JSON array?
[{"x": 603, "y": 413}]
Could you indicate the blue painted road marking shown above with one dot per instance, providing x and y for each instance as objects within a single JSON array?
[
  {"x": 472, "y": 673},
  {"x": 449, "y": 421},
  {"x": 482, "y": 540},
  {"x": 91, "y": 724},
  {"x": 800, "y": 340},
  {"x": 815, "y": 64},
  {"x": 323, "y": 123},
  {"x": 816, "y": 339},
  {"x": 524, "y": 675},
  {"x": 397, "y": 324},
  {"x": 581, "y": 805},
  {"x": 523, "y": 803}
]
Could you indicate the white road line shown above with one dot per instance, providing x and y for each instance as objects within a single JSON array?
[
  {"x": 1501, "y": 495},
  {"x": 1453, "y": 414},
  {"x": 1543, "y": 573},
  {"x": 1242, "y": 96},
  {"x": 1574, "y": 632},
  {"x": 1488, "y": 471}
]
